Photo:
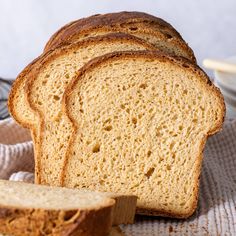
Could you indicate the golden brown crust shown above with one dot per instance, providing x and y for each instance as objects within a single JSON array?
[
  {"x": 108, "y": 19},
  {"x": 152, "y": 55},
  {"x": 11, "y": 98},
  {"x": 121, "y": 22},
  {"x": 37, "y": 222},
  {"x": 58, "y": 33}
]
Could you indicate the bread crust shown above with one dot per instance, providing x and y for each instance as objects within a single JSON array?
[
  {"x": 116, "y": 22},
  {"x": 58, "y": 33},
  {"x": 37, "y": 222},
  {"x": 110, "y": 19},
  {"x": 152, "y": 55},
  {"x": 13, "y": 92}
]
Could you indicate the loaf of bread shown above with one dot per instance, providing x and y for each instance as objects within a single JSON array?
[
  {"x": 29, "y": 209},
  {"x": 141, "y": 120},
  {"x": 150, "y": 28},
  {"x": 117, "y": 104}
]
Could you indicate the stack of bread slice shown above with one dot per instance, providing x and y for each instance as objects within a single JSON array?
[{"x": 116, "y": 103}]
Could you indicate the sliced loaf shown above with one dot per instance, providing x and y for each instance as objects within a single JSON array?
[
  {"x": 141, "y": 120},
  {"x": 45, "y": 87},
  {"x": 31, "y": 210},
  {"x": 150, "y": 28}
]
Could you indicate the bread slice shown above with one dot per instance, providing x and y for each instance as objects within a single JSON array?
[
  {"x": 141, "y": 120},
  {"x": 29, "y": 209},
  {"x": 45, "y": 86},
  {"x": 150, "y": 28}
]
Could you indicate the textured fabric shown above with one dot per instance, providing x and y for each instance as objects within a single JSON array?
[
  {"x": 216, "y": 212},
  {"x": 16, "y": 149}
]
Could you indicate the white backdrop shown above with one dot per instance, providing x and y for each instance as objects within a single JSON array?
[{"x": 209, "y": 26}]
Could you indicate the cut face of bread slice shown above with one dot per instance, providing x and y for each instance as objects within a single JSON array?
[
  {"x": 27, "y": 209},
  {"x": 140, "y": 121},
  {"x": 46, "y": 86},
  {"x": 55, "y": 210},
  {"x": 150, "y": 28}
]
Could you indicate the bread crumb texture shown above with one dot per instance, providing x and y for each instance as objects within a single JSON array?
[{"x": 141, "y": 124}]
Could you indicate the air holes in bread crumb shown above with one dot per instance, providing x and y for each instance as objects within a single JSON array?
[
  {"x": 134, "y": 120},
  {"x": 55, "y": 97},
  {"x": 185, "y": 65},
  {"x": 133, "y": 28},
  {"x": 108, "y": 128},
  {"x": 96, "y": 148},
  {"x": 172, "y": 145},
  {"x": 122, "y": 106},
  {"x": 150, "y": 172},
  {"x": 143, "y": 86},
  {"x": 158, "y": 133},
  {"x": 140, "y": 116},
  {"x": 169, "y": 36},
  {"x": 149, "y": 153},
  {"x": 69, "y": 216},
  {"x": 168, "y": 167}
]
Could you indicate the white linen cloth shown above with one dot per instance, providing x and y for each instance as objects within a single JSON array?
[{"x": 216, "y": 212}]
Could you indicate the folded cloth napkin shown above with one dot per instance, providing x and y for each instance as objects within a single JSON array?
[{"x": 216, "y": 212}]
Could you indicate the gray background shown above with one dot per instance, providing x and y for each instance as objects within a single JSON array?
[{"x": 209, "y": 26}]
